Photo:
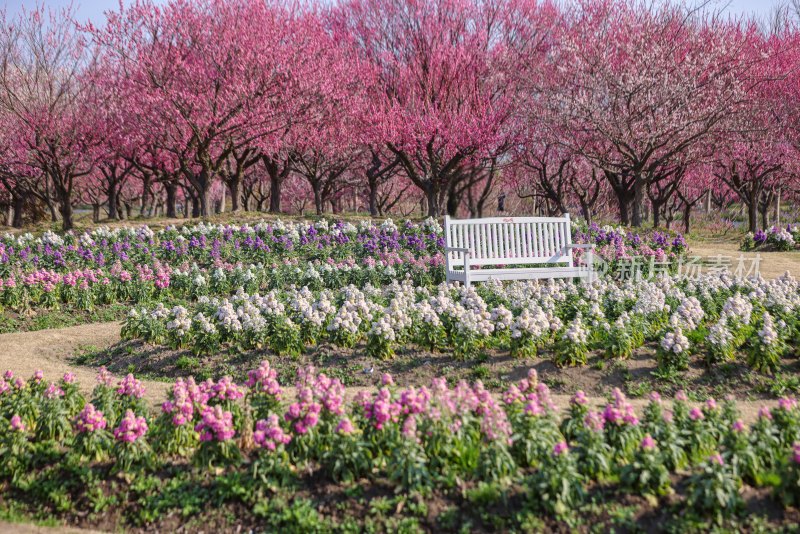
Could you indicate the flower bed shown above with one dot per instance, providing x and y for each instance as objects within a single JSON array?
[
  {"x": 716, "y": 318},
  {"x": 139, "y": 264},
  {"x": 775, "y": 238},
  {"x": 274, "y": 459}
]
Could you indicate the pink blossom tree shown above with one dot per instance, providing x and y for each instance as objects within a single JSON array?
[{"x": 444, "y": 88}]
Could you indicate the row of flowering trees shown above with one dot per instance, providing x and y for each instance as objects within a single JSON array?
[{"x": 641, "y": 109}]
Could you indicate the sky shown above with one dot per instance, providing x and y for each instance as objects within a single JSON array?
[{"x": 93, "y": 9}]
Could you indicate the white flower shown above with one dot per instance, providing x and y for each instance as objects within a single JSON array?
[
  {"x": 767, "y": 333},
  {"x": 675, "y": 342}
]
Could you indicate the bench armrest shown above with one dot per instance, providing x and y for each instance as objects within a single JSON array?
[
  {"x": 586, "y": 246},
  {"x": 458, "y": 249}
]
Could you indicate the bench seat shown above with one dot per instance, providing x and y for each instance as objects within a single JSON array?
[{"x": 534, "y": 248}]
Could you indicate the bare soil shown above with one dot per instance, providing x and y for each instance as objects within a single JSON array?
[{"x": 772, "y": 264}]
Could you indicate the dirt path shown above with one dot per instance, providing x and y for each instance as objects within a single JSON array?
[
  {"x": 25, "y": 528},
  {"x": 51, "y": 350},
  {"x": 771, "y": 264}
]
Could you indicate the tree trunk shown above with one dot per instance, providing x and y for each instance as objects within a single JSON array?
[
  {"x": 373, "y": 199},
  {"x": 18, "y": 207},
  {"x": 113, "y": 208},
  {"x": 67, "y": 220},
  {"x": 656, "y": 214},
  {"x": 624, "y": 218},
  {"x": 318, "y": 202},
  {"x": 778, "y": 208},
  {"x": 172, "y": 197},
  {"x": 752, "y": 215},
  {"x": 432, "y": 196},
  {"x": 638, "y": 201},
  {"x": 275, "y": 194},
  {"x": 687, "y": 213},
  {"x": 95, "y": 213},
  {"x": 234, "y": 187},
  {"x": 196, "y": 208}
]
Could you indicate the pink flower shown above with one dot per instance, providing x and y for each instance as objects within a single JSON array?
[
  {"x": 265, "y": 380},
  {"x": 716, "y": 459},
  {"x": 38, "y": 375},
  {"x": 738, "y": 426},
  {"x": 711, "y": 404},
  {"x": 560, "y": 448},
  {"x": 90, "y": 419},
  {"x": 696, "y": 414},
  {"x": 345, "y": 426},
  {"x": 796, "y": 453},
  {"x": 579, "y": 399},
  {"x": 16, "y": 423},
  {"x": 655, "y": 397},
  {"x": 69, "y": 378},
  {"x": 53, "y": 392},
  {"x": 764, "y": 413},
  {"x": 104, "y": 377},
  {"x": 268, "y": 433},
  {"x": 410, "y": 427},
  {"x": 787, "y": 403},
  {"x": 648, "y": 443},
  {"x": 216, "y": 424},
  {"x": 387, "y": 380},
  {"x": 130, "y": 387},
  {"x": 594, "y": 421},
  {"x": 130, "y": 428},
  {"x": 226, "y": 389},
  {"x": 8, "y": 375},
  {"x": 680, "y": 396}
]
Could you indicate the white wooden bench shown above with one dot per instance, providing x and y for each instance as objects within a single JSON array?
[{"x": 512, "y": 248}]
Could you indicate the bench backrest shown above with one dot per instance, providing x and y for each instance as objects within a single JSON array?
[{"x": 495, "y": 240}]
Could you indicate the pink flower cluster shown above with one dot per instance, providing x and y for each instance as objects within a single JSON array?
[
  {"x": 224, "y": 389},
  {"x": 131, "y": 387},
  {"x": 131, "y": 427},
  {"x": 104, "y": 377},
  {"x": 533, "y": 394},
  {"x": 315, "y": 393},
  {"x": 90, "y": 419},
  {"x": 186, "y": 396},
  {"x": 215, "y": 425},
  {"x": 269, "y": 434},
  {"x": 620, "y": 412},
  {"x": 16, "y": 423},
  {"x": 264, "y": 380},
  {"x": 796, "y": 453},
  {"x": 345, "y": 426},
  {"x": 53, "y": 391}
]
